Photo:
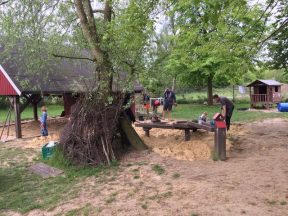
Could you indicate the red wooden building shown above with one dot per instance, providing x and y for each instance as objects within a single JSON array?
[
  {"x": 63, "y": 77},
  {"x": 264, "y": 93}
]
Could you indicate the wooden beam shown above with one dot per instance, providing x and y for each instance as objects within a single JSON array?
[
  {"x": 35, "y": 113},
  {"x": 187, "y": 135},
  {"x": 16, "y": 105},
  {"x": 220, "y": 143},
  {"x": 147, "y": 131}
]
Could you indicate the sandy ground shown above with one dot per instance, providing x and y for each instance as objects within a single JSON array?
[
  {"x": 171, "y": 143},
  {"x": 31, "y": 132},
  {"x": 253, "y": 181}
]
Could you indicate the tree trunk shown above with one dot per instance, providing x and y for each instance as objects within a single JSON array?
[
  {"x": 210, "y": 90},
  {"x": 174, "y": 84},
  {"x": 90, "y": 32}
]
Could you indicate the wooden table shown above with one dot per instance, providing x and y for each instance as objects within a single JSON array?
[
  {"x": 219, "y": 133},
  {"x": 180, "y": 125}
]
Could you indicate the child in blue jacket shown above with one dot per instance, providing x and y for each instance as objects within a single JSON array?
[{"x": 43, "y": 121}]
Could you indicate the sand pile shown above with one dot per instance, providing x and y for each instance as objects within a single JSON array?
[
  {"x": 38, "y": 142},
  {"x": 171, "y": 143}
]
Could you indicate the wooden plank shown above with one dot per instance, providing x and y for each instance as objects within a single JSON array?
[
  {"x": 44, "y": 170},
  {"x": 201, "y": 126},
  {"x": 35, "y": 113},
  {"x": 131, "y": 135},
  {"x": 187, "y": 135},
  {"x": 189, "y": 125},
  {"x": 220, "y": 143}
]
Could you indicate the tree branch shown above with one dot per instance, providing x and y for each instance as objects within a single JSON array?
[
  {"x": 2, "y": 3},
  {"x": 108, "y": 11},
  {"x": 98, "y": 11},
  {"x": 72, "y": 57},
  {"x": 285, "y": 23},
  {"x": 85, "y": 14}
]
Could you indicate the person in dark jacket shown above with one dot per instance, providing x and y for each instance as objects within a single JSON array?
[
  {"x": 169, "y": 101},
  {"x": 227, "y": 108}
]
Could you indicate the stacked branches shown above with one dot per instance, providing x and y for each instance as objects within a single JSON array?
[{"x": 89, "y": 135}]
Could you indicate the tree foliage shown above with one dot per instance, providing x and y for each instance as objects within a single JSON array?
[
  {"x": 212, "y": 41},
  {"x": 278, "y": 46}
]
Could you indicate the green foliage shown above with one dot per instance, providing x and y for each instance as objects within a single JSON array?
[
  {"x": 193, "y": 111},
  {"x": 30, "y": 28},
  {"x": 278, "y": 46},
  {"x": 204, "y": 38}
]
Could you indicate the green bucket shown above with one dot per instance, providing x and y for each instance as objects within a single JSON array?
[{"x": 47, "y": 150}]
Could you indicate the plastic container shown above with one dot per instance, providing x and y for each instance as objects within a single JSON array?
[
  {"x": 48, "y": 149},
  {"x": 282, "y": 107}
]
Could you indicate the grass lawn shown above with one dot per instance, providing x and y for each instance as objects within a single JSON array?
[
  {"x": 22, "y": 191},
  {"x": 193, "y": 111},
  {"x": 53, "y": 110},
  {"x": 182, "y": 111}
]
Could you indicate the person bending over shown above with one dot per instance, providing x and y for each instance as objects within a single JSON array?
[{"x": 227, "y": 108}]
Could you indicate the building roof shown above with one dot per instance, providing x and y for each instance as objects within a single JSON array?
[
  {"x": 59, "y": 76},
  {"x": 265, "y": 82}
]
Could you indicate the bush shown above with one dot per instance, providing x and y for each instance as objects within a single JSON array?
[
  {"x": 4, "y": 103},
  {"x": 184, "y": 101}
]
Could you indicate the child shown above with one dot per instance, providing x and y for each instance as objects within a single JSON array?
[
  {"x": 43, "y": 121},
  {"x": 203, "y": 118},
  {"x": 146, "y": 101},
  {"x": 156, "y": 104}
]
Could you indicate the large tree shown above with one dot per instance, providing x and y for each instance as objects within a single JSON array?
[
  {"x": 213, "y": 40},
  {"x": 278, "y": 44},
  {"x": 114, "y": 32}
]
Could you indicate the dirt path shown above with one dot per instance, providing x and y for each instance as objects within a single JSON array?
[{"x": 253, "y": 181}]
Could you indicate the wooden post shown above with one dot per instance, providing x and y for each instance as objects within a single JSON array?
[
  {"x": 251, "y": 99},
  {"x": 16, "y": 106},
  {"x": 220, "y": 143},
  {"x": 187, "y": 135},
  {"x": 147, "y": 131},
  {"x": 35, "y": 113},
  {"x": 233, "y": 90}
]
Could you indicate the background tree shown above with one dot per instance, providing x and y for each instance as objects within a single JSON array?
[{"x": 278, "y": 44}]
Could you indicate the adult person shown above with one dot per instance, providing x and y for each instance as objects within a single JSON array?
[
  {"x": 227, "y": 108},
  {"x": 169, "y": 101}
]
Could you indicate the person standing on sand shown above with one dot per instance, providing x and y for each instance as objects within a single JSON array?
[
  {"x": 227, "y": 108},
  {"x": 43, "y": 121},
  {"x": 146, "y": 102},
  {"x": 169, "y": 101}
]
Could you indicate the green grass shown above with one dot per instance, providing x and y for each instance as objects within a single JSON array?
[
  {"x": 182, "y": 111},
  {"x": 158, "y": 169},
  {"x": 226, "y": 92},
  {"x": 144, "y": 206},
  {"x": 175, "y": 175},
  {"x": 86, "y": 210},
  {"x": 53, "y": 110},
  {"x": 22, "y": 191},
  {"x": 193, "y": 111}
]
